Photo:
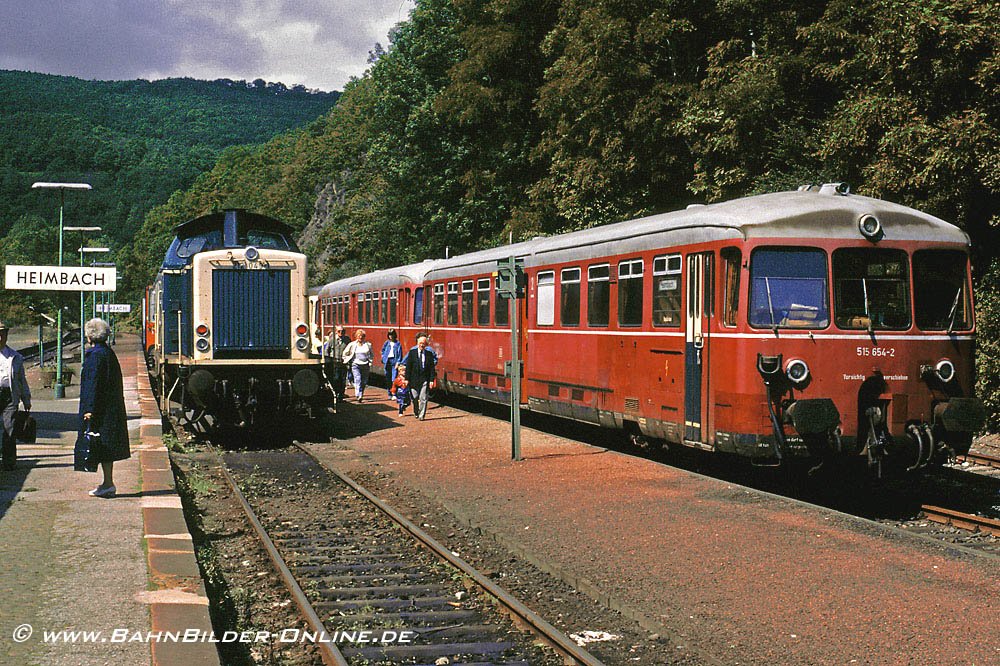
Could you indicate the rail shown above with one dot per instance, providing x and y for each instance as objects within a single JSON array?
[
  {"x": 965, "y": 521},
  {"x": 980, "y": 459}
]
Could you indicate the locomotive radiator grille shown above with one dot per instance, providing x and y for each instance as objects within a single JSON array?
[{"x": 251, "y": 312}]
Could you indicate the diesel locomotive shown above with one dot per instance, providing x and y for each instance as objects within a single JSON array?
[
  {"x": 226, "y": 323},
  {"x": 813, "y": 325}
]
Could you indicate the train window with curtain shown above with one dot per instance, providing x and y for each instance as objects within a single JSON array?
[
  {"x": 418, "y": 306},
  {"x": 630, "y": 293},
  {"x": 871, "y": 288},
  {"x": 598, "y": 295},
  {"x": 439, "y": 303},
  {"x": 545, "y": 312},
  {"x": 393, "y": 306},
  {"x": 468, "y": 302},
  {"x": 667, "y": 277},
  {"x": 569, "y": 297},
  {"x": 452, "y": 302},
  {"x": 941, "y": 290},
  {"x": 483, "y": 302},
  {"x": 501, "y": 306},
  {"x": 789, "y": 288},
  {"x": 731, "y": 260}
]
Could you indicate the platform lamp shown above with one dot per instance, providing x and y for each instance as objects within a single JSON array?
[
  {"x": 60, "y": 390},
  {"x": 86, "y": 250}
]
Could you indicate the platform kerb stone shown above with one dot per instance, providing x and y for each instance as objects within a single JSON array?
[
  {"x": 182, "y": 618},
  {"x": 163, "y": 520}
]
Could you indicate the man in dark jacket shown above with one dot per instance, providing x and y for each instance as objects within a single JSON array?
[
  {"x": 333, "y": 366},
  {"x": 13, "y": 390},
  {"x": 421, "y": 369}
]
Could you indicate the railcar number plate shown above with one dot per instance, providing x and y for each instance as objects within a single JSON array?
[{"x": 887, "y": 352}]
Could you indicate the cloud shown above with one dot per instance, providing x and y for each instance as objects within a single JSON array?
[{"x": 316, "y": 43}]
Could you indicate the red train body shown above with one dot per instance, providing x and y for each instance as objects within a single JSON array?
[{"x": 811, "y": 324}]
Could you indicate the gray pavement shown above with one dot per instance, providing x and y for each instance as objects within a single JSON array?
[{"x": 71, "y": 562}]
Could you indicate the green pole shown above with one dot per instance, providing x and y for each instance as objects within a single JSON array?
[
  {"x": 60, "y": 390},
  {"x": 515, "y": 376},
  {"x": 82, "y": 296}
]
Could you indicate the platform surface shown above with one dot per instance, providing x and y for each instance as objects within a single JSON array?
[{"x": 748, "y": 578}]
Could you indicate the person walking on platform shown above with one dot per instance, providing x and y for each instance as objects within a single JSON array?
[
  {"x": 102, "y": 408},
  {"x": 421, "y": 364},
  {"x": 401, "y": 388},
  {"x": 13, "y": 390},
  {"x": 358, "y": 356},
  {"x": 392, "y": 354},
  {"x": 336, "y": 371}
]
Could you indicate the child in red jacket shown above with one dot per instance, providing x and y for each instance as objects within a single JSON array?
[{"x": 401, "y": 388}]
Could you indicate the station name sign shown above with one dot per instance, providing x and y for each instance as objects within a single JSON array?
[
  {"x": 114, "y": 307},
  {"x": 61, "y": 278}
]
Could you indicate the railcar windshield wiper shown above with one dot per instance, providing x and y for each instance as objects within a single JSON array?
[
  {"x": 953, "y": 311},
  {"x": 868, "y": 314}
]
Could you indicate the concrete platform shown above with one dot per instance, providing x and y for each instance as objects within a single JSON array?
[
  {"x": 117, "y": 568},
  {"x": 745, "y": 577}
]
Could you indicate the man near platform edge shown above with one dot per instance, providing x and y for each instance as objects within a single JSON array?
[
  {"x": 13, "y": 390},
  {"x": 421, "y": 363}
]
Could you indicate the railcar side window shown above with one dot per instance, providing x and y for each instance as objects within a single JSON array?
[
  {"x": 385, "y": 307},
  {"x": 452, "y": 302},
  {"x": 483, "y": 302},
  {"x": 667, "y": 290},
  {"x": 630, "y": 293},
  {"x": 360, "y": 310},
  {"x": 393, "y": 306},
  {"x": 501, "y": 306},
  {"x": 545, "y": 315},
  {"x": 418, "y": 306},
  {"x": 369, "y": 306},
  {"x": 732, "y": 258},
  {"x": 598, "y": 295},
  {"x": 439, "y": 304},
  {"x": 871, "y": 288},
  {"x": 941, "y": 290},
  {"x": 788, "y": 288},
  {"x": 569, "y": 297},
  {"x": 468, "y": 302}
]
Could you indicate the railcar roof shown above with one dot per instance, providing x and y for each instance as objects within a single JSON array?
[{"x": 388, "y": 277}]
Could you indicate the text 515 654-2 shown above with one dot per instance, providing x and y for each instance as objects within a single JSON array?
[{"x": 888, "y": 352}]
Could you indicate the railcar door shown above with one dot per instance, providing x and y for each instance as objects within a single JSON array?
[{"x": 696, "y": 348}]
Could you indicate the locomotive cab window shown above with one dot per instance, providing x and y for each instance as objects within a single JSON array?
[
  {"x": 630, "y": 293},
  {"x": 598, "y": 295},
  {"x": 871, "y": 288},
  {"x": 468, "y": 302},
  {"x": 788, "y": 288},
  {"x": 545, "y": 314},
  {"x": 667, "y": 290},
  {"x": 265, "y": 239},
  {"x": 483, "y": 302},
  {"x": 569, "y": 297}
]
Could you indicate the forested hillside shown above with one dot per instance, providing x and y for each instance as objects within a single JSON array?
[{"x": 135, "y": 142}]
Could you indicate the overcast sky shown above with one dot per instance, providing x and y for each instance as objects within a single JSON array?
[{"x": 317, "y": 43}]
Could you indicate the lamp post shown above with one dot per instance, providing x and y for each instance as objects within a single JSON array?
[
  {"x": 86, "y": 250},
  {"x": 60, "y": 390}
]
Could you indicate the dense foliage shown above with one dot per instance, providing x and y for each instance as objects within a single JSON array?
[{"x": 135, "y": 142}]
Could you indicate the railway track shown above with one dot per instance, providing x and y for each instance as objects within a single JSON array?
[
  {"x": 353, "y": 564},
  {"x": 980, "y": 459},
  {"x": 965, "y": 521}
]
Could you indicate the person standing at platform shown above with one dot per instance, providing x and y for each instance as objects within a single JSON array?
[
  {"x": 421, "y": 370},
  {"x": 336, "y": 371},
  {"x": 102, "y": 406},
  {"x": 392, "y": 354},
  {"x": 358, "y": 356},
  {"x": 13, "y": 390}
]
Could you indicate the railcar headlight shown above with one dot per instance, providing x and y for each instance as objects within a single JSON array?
[
  {"x": 870, "y": 227},
  {"x": 202, "y": 345},
  {"x": 301, "y": 344},
  {"x": 945, "y": 370},
  {"x": 797, "y": 371},
  {"x": 251, "y": 253}
]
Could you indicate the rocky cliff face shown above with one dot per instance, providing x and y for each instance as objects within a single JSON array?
[{"x": 319, "y": 238}]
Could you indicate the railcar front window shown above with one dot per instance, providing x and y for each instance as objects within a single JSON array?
[
  {"x": 788, "y": 288},
  {"x": 941, "y": 290},
  {"x": 871, "y": 289}
]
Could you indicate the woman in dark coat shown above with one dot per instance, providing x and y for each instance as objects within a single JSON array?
[{"x": 102, "y": 406}]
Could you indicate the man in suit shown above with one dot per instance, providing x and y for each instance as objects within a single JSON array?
[
  {"x": 13, "y": 391},
  {"x": 421, "y": 364}
]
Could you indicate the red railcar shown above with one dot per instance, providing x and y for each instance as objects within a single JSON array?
[{"x": 808, "y": 324}]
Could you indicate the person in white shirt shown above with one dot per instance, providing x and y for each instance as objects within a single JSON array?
[{"x": 13, "y": 391}]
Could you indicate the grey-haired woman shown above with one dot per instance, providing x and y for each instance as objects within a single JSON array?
[{"x": 102, "y": 408}]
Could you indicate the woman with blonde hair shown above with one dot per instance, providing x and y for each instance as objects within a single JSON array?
[{"x": 358, "y": 357}]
